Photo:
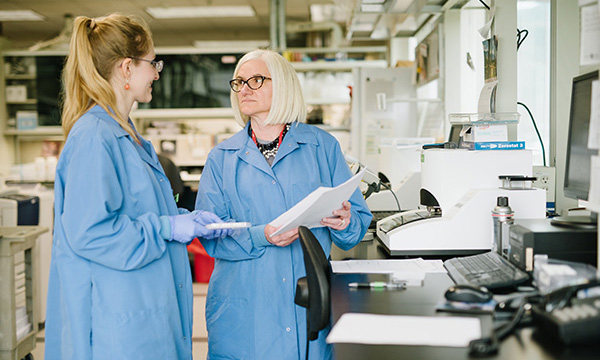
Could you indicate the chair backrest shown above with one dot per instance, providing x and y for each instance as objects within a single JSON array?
[{"x": 316, "y": 282}]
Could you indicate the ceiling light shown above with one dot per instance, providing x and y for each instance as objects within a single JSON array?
[
  {"x": 181, "y": 12},
  {"x": 20, "y": 15},
  {"x": 371, "y": 8},
  {"x": 364, "y": 27},
  {"x": 373, "y": 1}
]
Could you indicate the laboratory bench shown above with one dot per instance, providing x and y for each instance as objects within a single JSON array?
[{"x": 523, "y": 343}]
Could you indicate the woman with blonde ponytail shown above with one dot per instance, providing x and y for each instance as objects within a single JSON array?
[{"x": 120, "y": 282}]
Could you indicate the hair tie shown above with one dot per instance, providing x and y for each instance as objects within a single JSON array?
[{"x": 92, "y": 24}]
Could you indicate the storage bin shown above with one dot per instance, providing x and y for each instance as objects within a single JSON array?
[
  {"x": 18, "y": 290},
  {"x": 203, "y": 263}
]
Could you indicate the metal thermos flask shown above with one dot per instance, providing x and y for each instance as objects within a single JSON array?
[{"x": 503, "y": 217}]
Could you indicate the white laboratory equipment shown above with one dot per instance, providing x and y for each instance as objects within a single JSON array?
[{"x": 459, "y": 189}]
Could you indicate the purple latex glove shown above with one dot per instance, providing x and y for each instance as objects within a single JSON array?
[
  {"x": 184, "y": 228},
  {"x": 205, "y": 218}
]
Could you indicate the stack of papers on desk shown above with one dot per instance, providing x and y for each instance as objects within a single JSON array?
[
  {"x": 412, "y": 271},
  {"x": 405, "y": 330}
]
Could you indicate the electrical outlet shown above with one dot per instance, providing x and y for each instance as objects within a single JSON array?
[{"x": 546, "y": 179}]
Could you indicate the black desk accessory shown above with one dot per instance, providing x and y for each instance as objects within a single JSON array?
[
  {"x": 313, "y": 290},
  {"x": 468, "y": 293},
  {"x": 570, "y": 317}
]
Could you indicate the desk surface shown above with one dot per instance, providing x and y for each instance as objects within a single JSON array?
[{"x": 525, "y": 343}]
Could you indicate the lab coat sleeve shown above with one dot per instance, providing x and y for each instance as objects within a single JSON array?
[
  {"x": 94, "y": 225},
  {"x": 244, "y": 244},
  {"x": 360, "y": 214}
]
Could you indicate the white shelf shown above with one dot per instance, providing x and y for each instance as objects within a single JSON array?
[
  {"x": 200, "y": 113},
  {"x": 20, "y": 77},
  {"x": 349, "y": 49},
  {"x": 39, "y": 131},
  {"x": 332, "y": 128},
  {"x": 345, "y": 65},
  {"x": 24, "y": 102},
  {"x": 326, "y": 102}
]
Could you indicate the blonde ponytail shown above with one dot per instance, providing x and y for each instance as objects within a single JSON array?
[{"x": 96, "y": 47}]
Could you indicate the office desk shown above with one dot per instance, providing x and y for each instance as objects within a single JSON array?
[{"x": 525, "y": 343}]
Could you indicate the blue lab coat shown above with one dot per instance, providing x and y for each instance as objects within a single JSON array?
[
  {"x": 117, "y": 289},
  {"x": 250, "y": 310}
]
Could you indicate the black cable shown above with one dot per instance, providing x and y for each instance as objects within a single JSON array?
[
  {"x": 395, "y": 197},
  {"x": 484, "y": 4},
  {"x": 519, "y": 32},
  {"x": 489, "y": 345},
  {"x": 521, "y": 37},
  {"x": 536, "y": 131}
]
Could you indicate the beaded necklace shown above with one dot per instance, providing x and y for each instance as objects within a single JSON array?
[{"x": 269, "y": 150}]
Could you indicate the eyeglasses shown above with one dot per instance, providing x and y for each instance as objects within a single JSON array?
[
  {"x": 158, "y": 65},
  {"x": 254, "y": 83}
]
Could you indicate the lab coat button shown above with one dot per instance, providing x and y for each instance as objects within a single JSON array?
[
  {"x": 287, "y": 329},
  {"x": 180, "y": 286},
  {"x": 283, "y": 279},
  {"x": 247, "y": 152},
  {"x": 274, "y": 182}
]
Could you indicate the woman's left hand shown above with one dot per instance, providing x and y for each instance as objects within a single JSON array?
[{"x": 342, "y": 219}]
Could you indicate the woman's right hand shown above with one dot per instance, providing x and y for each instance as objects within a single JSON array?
[{"x": 284, "y": 239}]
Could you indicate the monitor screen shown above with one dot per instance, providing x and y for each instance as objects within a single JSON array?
[
  {"x": 577, "y": 169},
  {"x": 48, "y": 87}
]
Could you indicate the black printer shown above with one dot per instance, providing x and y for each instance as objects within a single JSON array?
[{"x": 25, "y": 209}]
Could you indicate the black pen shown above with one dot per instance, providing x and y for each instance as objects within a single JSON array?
[{"x": 378, "y": 285}]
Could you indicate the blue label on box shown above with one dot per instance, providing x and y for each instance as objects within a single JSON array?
[{"x": 500, "y": 145}]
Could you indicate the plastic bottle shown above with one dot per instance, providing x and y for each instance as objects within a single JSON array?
[{"x": 503, "y": 217}]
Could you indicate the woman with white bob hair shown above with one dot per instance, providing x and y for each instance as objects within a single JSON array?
[{"x": 255, "y": 176}]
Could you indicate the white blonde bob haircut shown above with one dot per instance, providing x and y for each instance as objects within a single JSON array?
[{"x": 287, "y": 104}]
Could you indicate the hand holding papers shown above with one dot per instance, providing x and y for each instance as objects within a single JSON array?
[{"x": 317, "y": 205}]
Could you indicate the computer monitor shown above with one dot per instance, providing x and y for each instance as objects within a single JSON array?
[{"x": 578, "y": 159}]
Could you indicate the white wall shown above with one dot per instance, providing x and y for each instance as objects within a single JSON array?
[{"x": 564, "y": 66}]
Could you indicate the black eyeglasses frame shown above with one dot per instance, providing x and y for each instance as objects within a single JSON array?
[{"x": 241, "y": 86}]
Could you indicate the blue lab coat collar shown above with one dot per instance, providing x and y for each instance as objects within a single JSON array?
[
  {"x": 145, "y": 150},
  {"x": 246, "y": 150},
  {"x": 299, "y": 133}
]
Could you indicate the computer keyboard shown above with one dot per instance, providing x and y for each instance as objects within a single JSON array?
[
  {"x": 487, "y": 269},
  {"x": 380, "y": 215}
]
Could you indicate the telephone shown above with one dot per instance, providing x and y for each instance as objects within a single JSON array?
[{"x": 570, "y": 314}]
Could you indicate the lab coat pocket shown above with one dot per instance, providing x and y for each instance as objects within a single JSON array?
[
  {"x": 143, "y": 334},
  {"x": 230, "y": 327}
]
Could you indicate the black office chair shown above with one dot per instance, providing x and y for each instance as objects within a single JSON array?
[{"x": 312, "y": 291}]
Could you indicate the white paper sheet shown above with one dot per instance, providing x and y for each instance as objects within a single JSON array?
[
  {"x": 410, "y": 271},
  {"x": 486, "y": 97},
  {"x": 387, "y": 266},
  {"x": 590, "y": 33},
  {"x": 484, "y": 31},
  {"x": 317, "y": 205},
  {"x": 405, "y": 330}
]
